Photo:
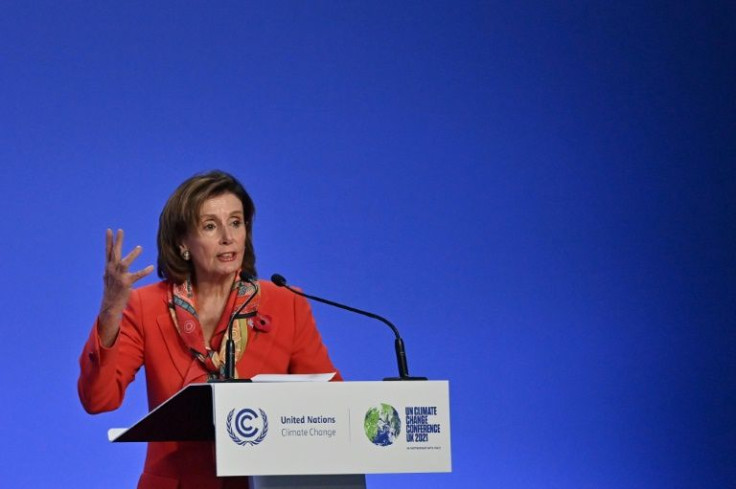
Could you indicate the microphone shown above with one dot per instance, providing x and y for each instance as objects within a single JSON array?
[
  {"x": 229, "y": 375},
  {"x": 280, "y": 281}
]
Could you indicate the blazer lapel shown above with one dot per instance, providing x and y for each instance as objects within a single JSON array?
[
  {"x": 180, "y": 358},
  {"x": 257, "y": 351}
]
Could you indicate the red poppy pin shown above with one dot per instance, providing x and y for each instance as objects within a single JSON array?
[{"x": 262, "y": 323}]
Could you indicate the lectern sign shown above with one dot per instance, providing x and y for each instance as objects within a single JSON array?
[
  {"x": 332, "y": 428},
  {"x": 248, "y": 425},
  {"x": 382, "y": 425}
]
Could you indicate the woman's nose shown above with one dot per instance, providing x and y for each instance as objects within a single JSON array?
[{"x": 227, "y": 235}]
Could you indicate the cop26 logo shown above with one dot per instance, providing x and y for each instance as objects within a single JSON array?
[
  {"x": 248, "y": 428},
  {"x": 382, "y": 425}
]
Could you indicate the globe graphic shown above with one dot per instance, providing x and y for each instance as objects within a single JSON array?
[{"x": 382, "y": 425}]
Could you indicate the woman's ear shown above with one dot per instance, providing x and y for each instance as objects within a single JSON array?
[{"x": 184, "y": 252}]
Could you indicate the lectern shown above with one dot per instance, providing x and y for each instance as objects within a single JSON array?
[{"x": 316, "y": 434}]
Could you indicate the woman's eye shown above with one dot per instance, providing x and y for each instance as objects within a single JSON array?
[
  {"x": 209, "y": 226},
  {"x": 237, "y": 223}
]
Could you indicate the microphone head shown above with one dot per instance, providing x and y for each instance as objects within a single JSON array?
[
  {"x": 278, "y": 280},
  {"x": 246, "y": 277}
]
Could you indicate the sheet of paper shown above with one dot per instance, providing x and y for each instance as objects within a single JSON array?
[
  {"x": 293, "y": 377},
  {"x": 113, "y": 433}
]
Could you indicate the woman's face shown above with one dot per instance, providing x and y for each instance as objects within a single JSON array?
[{"x": 217, "y": 241}]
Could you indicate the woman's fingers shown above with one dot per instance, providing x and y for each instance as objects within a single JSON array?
[
  {"x": 113, "y": 245},
  {"x": 118, "y": 283},
  {"x": 108, "y": 244},
  {"x": 142, "y": 273},
  {"x": 117, "y": 267},
  {"x": 118, "y": 245},
  {"x": 131, "y": 256}
]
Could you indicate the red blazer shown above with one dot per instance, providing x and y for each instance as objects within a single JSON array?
[{"x": 148, "y": 337}]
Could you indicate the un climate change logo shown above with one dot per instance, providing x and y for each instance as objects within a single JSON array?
[
  {"x": 250, "y": 428},
  {"x": 382, "y": 425}
]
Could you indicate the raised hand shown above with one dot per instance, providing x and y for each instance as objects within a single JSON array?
[{"x": 118, "y": 282}]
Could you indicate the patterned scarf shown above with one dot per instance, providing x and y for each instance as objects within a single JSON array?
[{"x": 184, "y": 314}]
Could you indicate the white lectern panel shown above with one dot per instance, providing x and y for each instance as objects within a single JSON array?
[{"x": 332, "y": 428}]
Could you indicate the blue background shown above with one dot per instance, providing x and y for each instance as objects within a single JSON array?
[{"x": 541, "y": 195}]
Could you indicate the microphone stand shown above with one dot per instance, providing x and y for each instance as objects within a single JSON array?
[
  {"x": 229, "y": 374},
  {"x": 398, "y": 342}
]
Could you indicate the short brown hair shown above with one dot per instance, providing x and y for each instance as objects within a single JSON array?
[{"x": 180, "y": 215}]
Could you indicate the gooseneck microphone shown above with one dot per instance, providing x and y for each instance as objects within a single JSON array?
[
  {"x": 398, "y": 342},
  {"x": 229, "y": 374}
]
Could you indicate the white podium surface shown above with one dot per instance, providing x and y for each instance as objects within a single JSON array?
[{"x": 332, "y": 428}]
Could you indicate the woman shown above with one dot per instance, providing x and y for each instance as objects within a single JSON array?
[{"x": 177, "y": 328}]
